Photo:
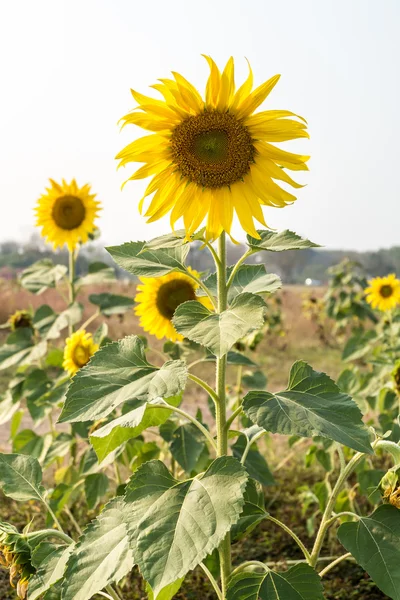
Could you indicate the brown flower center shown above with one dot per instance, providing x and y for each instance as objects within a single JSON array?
[
  {"x": 68, "y": 212},
  {"x": 212, "y": 149},
  {"x": 172, "y": 294},
  {"x": 386, "y": 291}
]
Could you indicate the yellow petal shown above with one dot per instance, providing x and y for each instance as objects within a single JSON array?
[
  {"x": 244, "y": 89},
  {"x": 257, "y": 97},
  {"x": 227, "y": 86},
  {"x": 189, "y": 93},
  {"x": 213, "y": 83}
]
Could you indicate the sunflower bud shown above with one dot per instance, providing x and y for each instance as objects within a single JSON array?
[
  {"x": 15, "y": 555},
  {"x": 390, "y": 488},
  {"x": 20, "y": 319}
]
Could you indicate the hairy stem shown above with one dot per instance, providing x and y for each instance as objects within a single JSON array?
[
  {"x": 71, "y": 281},
  {"x": 205, "y": 386},
  {"x": 212, "y": 580},
  {"x": 220, "y": 406},
  {"x": 189, "y": 417},
  {"x": 293, "y": 535},
  {"x": 237, "y": 266},
  {"x": 333, "y": 564}
]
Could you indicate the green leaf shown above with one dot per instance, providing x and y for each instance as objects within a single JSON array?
[
  {"x": 96, "y": 485},
  {"x": 252, "y": 279},
  {"x": 98, "y": 273},
  {"x": 186, "y": 446},
  {"x": 253, "y": 511},
  {"x": 8, "y": 407},
  {"x": 50, "y": 570},
  {"x": 111, "y": 304},
  {"x": 175, "y": 524},
  {"x": 128, "y": 426},
  {"x": 43, "y": 319},
  {"x": 135, "y": 258},
  {"x": 300, "y": 582},
  {"x": 311, "y": 405},
  {"x": 28, "y": 442},
  {"x": 374, "y": 542},
  {"x": 255, "y": 463},
  {"x": 278, "y": 242},
  {"x": 71, "y": 316},
  {"x": 233, "y": 358},
  {"x": 42, "y": 275},
  {"x": 359, "y": 345},
  {"x": 119, "y": 372},
  {"x": 166, "y": 593},
  {"x": 20, "y": 349},
  {"x": 101, "y": 556},
  {"x": 21, "y": 477},
  {"x": 219, "y": 332},
  {"x": 60, "y": 446}
]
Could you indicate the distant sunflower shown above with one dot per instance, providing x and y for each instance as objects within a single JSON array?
[
  {"x": 159, "y": 297},
  {"x": 213, "y": 157},
  {"x": 66, "y": 214},
  {"x": 78, "y": 350},
  {"x": 20, "y": 319},
  {"x": 383, "y": 293}
]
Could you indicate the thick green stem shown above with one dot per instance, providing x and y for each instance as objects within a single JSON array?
[{"x": 220, "y": 406}]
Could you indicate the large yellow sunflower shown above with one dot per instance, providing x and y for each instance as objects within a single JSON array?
[
  {"x": 213, "y": 157},
  {"x": 383, "y": 292},
  {"x": 159, "y": 297},
  {"x": 66, "y": 213},
  {"x": 78, "y": 350}
]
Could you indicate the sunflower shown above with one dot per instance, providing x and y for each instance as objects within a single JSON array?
[
  {"x": 66, "y": 214},
  {"x": 159, "y": 297},
  {"x": 213, "y": 157},
  {"x": 78, "y": 350},
  {"x": 383, "y": 292},
  {"x": 20, "y": 319}
]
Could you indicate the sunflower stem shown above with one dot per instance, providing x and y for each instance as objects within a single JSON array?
[
  {"x": 71, "y": 279},
  {"x": 220, "y": 406}
]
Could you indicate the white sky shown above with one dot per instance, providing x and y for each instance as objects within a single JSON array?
[{"x": 66, "y": 70}]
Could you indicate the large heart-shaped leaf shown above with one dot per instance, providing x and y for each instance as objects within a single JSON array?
[
  {"x": 101, "y": 556},
  {"x": 116, "y": 373},
  {"x": 111, "y": 304},
  {"x": 219, "y": 332},
  {"x": 49, "y": 571},
  {"x": 374, "y": 542},
  {"x": 186, "y": 446},
  {"x": 136, "y": 258},
  {"x": 248, "y": 278},
  {"x": 21, "y": 477},
  {"x": 279, "y": 241},
  {"x": 128, "y": 426},
  {"x": 175, "y": 524},
  {"x": 300, "y": 582},
  {"x": 253, "y": 510},
  {"x": 42, "y": 275},
  {"x": 311, "y": 405}
]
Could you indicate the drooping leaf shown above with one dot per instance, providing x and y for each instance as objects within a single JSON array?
[
  {"x": 135, "y": 258},
  {"x": 219, "y": 332},
  {"x": 8, "y": 407},
  {"x": 30, "y": 443},
  {"x": 175, "y": 524},
  {"x": 166, "y": 593},
  {"x": 49, "y": 570},
  {"x": 70, "y": 316},
  {"x": 21, "y": 477},
  {"x": 374, "y": 542},
  {"x": 111, "y": 304},
  {"x": 101, "y": 556},
  {"x": 253, "y": 510},
  {"x": 42, "y": 275},
  {"x": 359, "y": 345},
  {"x": 128, "y": 426},
  {"x": 252, "y": 279},
  {"x": 43, "y": 319},
  {"x": 279, "y": 241},
  {"x": 119, "y": 372},
  {"x": 311, "y": 405},
  {"x": 60, "y": 446},
  {"x": 186, "y": 446},
  {"x": 96, "y": 485},
  {"x": 20, "y": 349},
  {"x": 98, "y": 273},
  {"x": 255, "y": 463},
  {"x": 300, "y": 582}
]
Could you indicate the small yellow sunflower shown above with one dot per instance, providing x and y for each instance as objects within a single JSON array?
[
  {"x": 78, "y": 350},
  {"x": 66, "y": 214},
  {"x": 20, "y": 319},
  {"x": 383, "y": 293},
  {"x": 159, "y": 297},
  {"x": 213, "y": 157}
]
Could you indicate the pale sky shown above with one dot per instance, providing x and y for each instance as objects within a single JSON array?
[{"x": 67, "y": 67}]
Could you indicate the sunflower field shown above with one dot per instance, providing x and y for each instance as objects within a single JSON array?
[{"x": 165, "y": 461}]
